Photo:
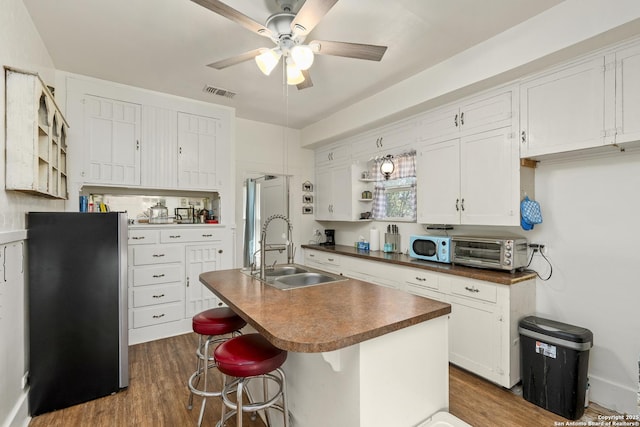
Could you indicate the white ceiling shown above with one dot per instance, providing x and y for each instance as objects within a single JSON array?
[{"x": 164, "y": 45}]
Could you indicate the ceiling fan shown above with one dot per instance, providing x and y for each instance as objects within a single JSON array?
[{"x": 289, "y": 31}]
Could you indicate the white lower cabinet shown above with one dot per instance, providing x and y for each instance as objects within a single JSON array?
[
  {"x": 164, "y": 287},
  {"x": 483, "y": 325}
]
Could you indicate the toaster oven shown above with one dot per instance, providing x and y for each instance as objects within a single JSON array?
[{"x": 501, "y": 253}]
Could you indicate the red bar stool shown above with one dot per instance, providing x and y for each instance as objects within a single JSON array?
[
  {"x": 213, "y": 326},
  {"x": 249, "y": 357}
]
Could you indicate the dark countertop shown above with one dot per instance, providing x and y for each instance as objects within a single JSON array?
[
  {"x": 500, "y": 277},
  {"x": 320, "y": 318}
]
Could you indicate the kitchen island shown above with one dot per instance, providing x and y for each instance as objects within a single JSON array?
[{"x": 359, "y": 354}]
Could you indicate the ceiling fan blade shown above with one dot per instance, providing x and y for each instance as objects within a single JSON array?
[
  {"x": 311, "y": 12},
  {"x": 307, "y": 81},
  {"x": 235, "y": 16},
  {"x": 219, "y": 65},
  {"x": 350, "y": 50}
]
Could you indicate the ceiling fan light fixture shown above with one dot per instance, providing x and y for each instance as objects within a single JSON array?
[
  {"x": 268, "y": 60},
  {"x": 294, "y": 74},
  {"x": 303, "y": 56}
]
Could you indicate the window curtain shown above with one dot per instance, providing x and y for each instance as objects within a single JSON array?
[{"x": 405, "y": 167}]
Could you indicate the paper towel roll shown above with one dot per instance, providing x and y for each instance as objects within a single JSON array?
[{"x": 374, "y": 240}]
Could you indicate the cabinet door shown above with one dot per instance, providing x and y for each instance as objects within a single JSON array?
[
  {"x": 487, "y": 112},
  {"x": 342, "y": 182},
  {"x": 475, "y": 338},
  {"x": 201, "y": 258},
  {"x": 438, "y": 124},
  {"x": 112, "y": 133},
  {"x": 197, "y": 151},
  {"x": 489, "y": 178},
  {"x": 563, "y": 110},
  {"x": 628, "y": 94},
  {"x": 159, "y": 151},
  {"x": 324, "y": 193},
  {"x": 438, "y": 176}
]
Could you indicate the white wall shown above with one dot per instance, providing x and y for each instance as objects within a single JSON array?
[
  {"x": 591, "y": 232},
  {"x": 270, "y": 149},
  {"x": 20, "y": 47}
]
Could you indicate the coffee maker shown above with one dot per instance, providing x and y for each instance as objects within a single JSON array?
[{"x": 330, "y": 237}]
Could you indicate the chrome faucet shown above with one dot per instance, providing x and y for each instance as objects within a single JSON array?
[{"x": 264, "y": 247}]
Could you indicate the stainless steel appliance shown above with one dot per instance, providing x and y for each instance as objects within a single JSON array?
[
  {"x": 430, "y": 248},
  {"x": 502, "y": 253},
  {"x": 77, "y": 307}
]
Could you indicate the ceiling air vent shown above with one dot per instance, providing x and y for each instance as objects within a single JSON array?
[{"x": 219, "y": 92}]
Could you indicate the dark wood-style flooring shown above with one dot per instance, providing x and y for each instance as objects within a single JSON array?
[{"x": 157, "y": 396}]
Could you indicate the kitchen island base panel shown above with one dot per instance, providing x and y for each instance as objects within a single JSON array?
[{"x": 398, "y": 379}]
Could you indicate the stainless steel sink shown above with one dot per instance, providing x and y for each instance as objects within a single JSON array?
[
  {"x": 285, "y": 271},
  {"x": 300, "y": 280},
  {"x": 293, "y": 276}
]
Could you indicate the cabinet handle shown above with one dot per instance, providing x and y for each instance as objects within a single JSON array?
[
  {"x": 330, "y": 259},
  {"x": 158, "y": 255},
  {"x": 157, "y": 276},
  {"x": 523, "y": 135},
  {"x": 137, "y": 238},
  {"x": 137, "y": 144},
  {"x": 220, "y": 251},
  {"x": 158, "y": 296},
  {"x": 462, "y": 119},
  {"x": 457, "y": 205},
  {"x": 472, "y": 289},
  {"x": 422, "y": 279},
  {"x": 175, "y": 236},
  {"x": 462, "y": 205},
  {"x": 179, "y": 150},
  {"x": 311, "y": 256},
  {"x": 158, "y": 316},
  {"x": 455, "y": 120},
  {"x": 207, "y": 235}
]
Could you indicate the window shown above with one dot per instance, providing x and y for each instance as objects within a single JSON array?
[{"x": 395, "y": 198}]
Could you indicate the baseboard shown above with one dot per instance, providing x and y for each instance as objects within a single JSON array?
[
  {"x": 613, "y": 396},
  {"x": 19, "y": 415}
]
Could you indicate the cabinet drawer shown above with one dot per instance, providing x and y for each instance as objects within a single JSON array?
[
  {"x": 474, "y": 289},
  {"x": 156, "y": 315},
  {"x": 178, "y": 235},
  {"x": 156, "y": 274},
  {"x": 154, "y": 295},
  {"x": 421, "y": 279},
  {"x": 143, "y": 237},
  {"x": 157, "y": 254},
  {"x": 323, "y": 258}
]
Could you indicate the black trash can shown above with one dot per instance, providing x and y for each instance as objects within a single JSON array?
[{"x": 554, "y": 361}]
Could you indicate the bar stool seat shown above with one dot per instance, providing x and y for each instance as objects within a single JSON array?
[
  {"x": 213, "y": 326},
  {"x": 250, "y": 357}
]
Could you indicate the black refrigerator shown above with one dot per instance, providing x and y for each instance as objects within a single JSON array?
[{"x": 77, "y": 307}]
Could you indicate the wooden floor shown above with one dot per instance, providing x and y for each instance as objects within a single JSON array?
[{"x": 157, "y": 396}]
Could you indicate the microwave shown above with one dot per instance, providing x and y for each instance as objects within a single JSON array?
[
  {"x": 430, "y": 248},
  {"x": 500, "y": 253}
]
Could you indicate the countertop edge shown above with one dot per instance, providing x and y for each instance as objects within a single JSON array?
[{"x": 499, "y": 277}]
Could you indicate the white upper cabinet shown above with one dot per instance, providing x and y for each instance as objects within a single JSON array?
[
  {"x": 472, "y": 115},
  {"x": 470, "y": 180},
  {"x": 36, "y": 131},
  {"x": 628, "y": 94},
  {"x": 159, "y": 157},
  {"x": 564, "y": 110},
  {"x": 387, "y": 140},
  {"x": 197, "y": 140},
  {"x": 112, "y": 135}
]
